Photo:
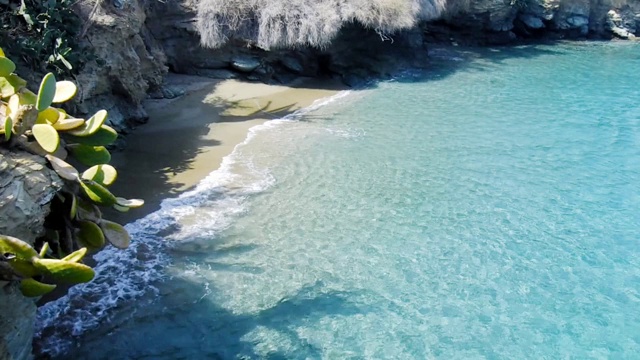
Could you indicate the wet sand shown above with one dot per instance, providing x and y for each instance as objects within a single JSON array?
[{"x": 186, "y": 138}]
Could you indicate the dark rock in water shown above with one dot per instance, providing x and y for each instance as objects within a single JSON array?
[
  {"x": 292, "y": 64},
  {"x": 217, "y": 74},
  {"x": 245, "y": 64}
]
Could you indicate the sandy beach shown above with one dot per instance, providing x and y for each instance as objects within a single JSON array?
[{"x": 186, "y": 138}]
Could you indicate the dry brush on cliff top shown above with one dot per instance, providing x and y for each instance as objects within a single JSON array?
[{"x": 287, "y": 23}]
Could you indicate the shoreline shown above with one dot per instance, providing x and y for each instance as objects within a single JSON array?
[{"x": 187, "y": 137}]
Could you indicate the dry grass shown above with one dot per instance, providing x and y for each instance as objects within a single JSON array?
[{"x": 289, "y": 23}]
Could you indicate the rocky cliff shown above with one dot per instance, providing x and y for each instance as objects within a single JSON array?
[
  {"x": 138, "y": 41},
  {"x": 26, "y": 188}
]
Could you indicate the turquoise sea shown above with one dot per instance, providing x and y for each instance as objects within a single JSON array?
[{"x": 488, "y": 208}]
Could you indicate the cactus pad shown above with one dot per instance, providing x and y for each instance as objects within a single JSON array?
[
  {"x": 90, "y": 155},
  {"x": 97, "y": 193},
  {"x": 116, "y": 234},
  {"x": 65, "y": 90},
  {"x": 46, "y": 136},
  {"x": 65, "y": 271},
  {"x": 46, "y": 92},
  {"x": 63, "y": 168},
  {"x": 104, "y": 175},
  {"x": 33, "y": 288}
]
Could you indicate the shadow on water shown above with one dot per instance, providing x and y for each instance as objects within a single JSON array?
[
  {"x": 177, "y": 326},
  {"x": 177, "y": 134},
  {"x": 183, "y": 325}
]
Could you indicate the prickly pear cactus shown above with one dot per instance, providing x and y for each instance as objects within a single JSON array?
[{"x": 31, "y": 122}]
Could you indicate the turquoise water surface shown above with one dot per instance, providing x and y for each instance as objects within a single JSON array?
[{"x": 485, "y": 209}]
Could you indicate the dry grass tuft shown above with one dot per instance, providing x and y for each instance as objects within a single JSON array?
[{"x": 290, "y": 23}]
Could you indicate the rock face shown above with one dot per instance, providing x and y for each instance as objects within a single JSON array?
[
  {"x": 26, "y": 188},
  {"x": 129, "y": 62},
  {"x": 137, "y": 42}
]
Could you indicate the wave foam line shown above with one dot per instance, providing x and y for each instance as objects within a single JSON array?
[{"x": 125, "y": 275}]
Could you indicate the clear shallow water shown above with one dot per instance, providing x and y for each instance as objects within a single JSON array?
[{"x": 486, "y": 209}]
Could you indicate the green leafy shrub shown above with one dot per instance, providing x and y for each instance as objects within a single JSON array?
[
  {"x": 43, "y": 34},
  {"x": 29, "y": 122}
]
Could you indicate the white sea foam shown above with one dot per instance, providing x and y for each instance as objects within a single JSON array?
[{"x": 125, "y": 275}]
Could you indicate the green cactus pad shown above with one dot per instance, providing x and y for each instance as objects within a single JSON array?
[
  {"x": 65, "y": 90},
  {"x": 47, "y": 92},
  {"x": 6, "y": 88},
  {"x": 14, "y": 104},
  {"x": 46, "y": 136},
  {"x": 104, "y": 175},
  {"x": 33, "y": 288},
  {"x": 65, "y": 271},
  {"x": 48, "y": 116},
  {"x": 17, "y": 247},
  {"x": 89, "y": 234},
  {"x": 63, "y": 168},
  {"x": 123, "y": 209},
  {"x": 130, "y": 203},
  {"x": 76, "y": 256},
  {"x": 68, "y": 124},
  {"x": 73, "y": 206},
  {"x": 6, "y": 66},
  {"x": 8, "y": 128},
  {"x": 91, "y": 125},
  {"x": 88, "y": 211},
  {"x": 27, "y": 97},
  {"x": 44, "y": 249},
  {"x": 104, "y": 136},
  {"x": 90, "y": 155},
  {"x": 116, "y": 234},
  {"x": 97, "y": 193}
]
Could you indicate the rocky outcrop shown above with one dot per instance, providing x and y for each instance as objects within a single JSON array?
[
  {"x": 128, "y": 64},
  {"x": 26, "y": 188},
  {"x": 137, "y": 41}
]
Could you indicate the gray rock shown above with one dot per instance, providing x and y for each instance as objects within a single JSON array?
[
  {"x": 292, "y": 64},
  {"x": 26, "y": 188},
  {"x": 577, "y": 21},
  {"x": 245, "y": 64},
  {"x": 217, "y": 74},
  {"x": 531, "y": 21}
]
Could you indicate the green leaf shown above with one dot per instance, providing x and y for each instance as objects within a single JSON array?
[
  {"x": 129, "y": 203},
  {"x": 91, "y": 125},
  {"x": 104, "y": 136},
  {"x": 104, "y": 174},
  {"x": 68, "y": 124},
  {"x": 46, "y": 136},
  {"x": 116, "y": 234},
  {"x": 90, "y": 155},
  {"x": 48, "y": 116},
  {"x": 89, "y": 234},
  {"x": 8, "y": 128},
  {"x": 6, "y": 88},
  {"x": 65, "y": 271},
  {"x": 98, "y": 193},
  {"x": 17, "y": 247},
  {"x": 33, "y": 288},
  {"x": 6, "y": 66},
  {"x": 63, "y": 169},
  {"x": 65, "y": 90},
  {"x": 76, "y": 256},
  {"x": 47, "y": 92}
]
